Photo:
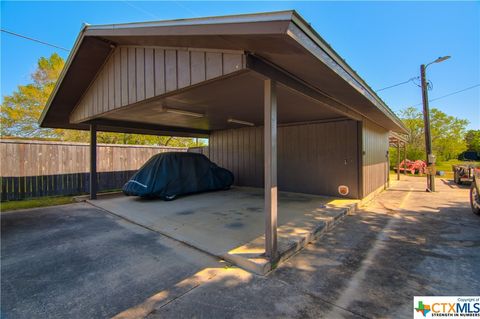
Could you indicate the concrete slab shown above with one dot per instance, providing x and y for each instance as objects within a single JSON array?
[
  {"x": 76, "y": 261},
  {"x": 230, "y": 224}
]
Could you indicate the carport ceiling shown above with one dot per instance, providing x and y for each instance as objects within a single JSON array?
[{"x": 238, "y": 97}]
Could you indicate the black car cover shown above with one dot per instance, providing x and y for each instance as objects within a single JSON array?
[{"x": 168, "y": 175}]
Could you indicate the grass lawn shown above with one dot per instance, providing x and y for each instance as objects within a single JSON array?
[
  {"x": 447, "y": 165},
  {"x": 37, "y": 202}
]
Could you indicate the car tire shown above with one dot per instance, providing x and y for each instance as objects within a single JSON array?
[{"x": 474, "y": 199}]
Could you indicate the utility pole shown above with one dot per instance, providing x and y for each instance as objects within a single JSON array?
[
  {"x": 428, "y": 137},
  {"x": 426, "y": 119}
]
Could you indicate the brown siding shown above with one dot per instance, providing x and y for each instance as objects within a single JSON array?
[
  {"x": 198, "y": 67},
  {"x": 133, "y": 74},
  {"x": 375, "y": 159},
  {"x": 140, "y": 76},
  {"x": 312, "y": 158},
  {"x": 149, "y": 73},
  {"x": 124, "y": 82},
  {"x": 159, "y": 71},
  {"x": 214, "y": 64},
  {"x": 171, "y": 70}
]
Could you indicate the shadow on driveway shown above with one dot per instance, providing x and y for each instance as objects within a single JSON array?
[{"x": 76, "y": 261}]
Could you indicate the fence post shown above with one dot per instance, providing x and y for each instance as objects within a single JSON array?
[{"x": 93, "y": 161}]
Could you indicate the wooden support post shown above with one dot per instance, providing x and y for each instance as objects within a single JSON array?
[
  {"x": 387, "y": 169},
  {"x": 404, "y": 159},
  {"x": 270, "y": 157},
  {"x": 93, "y": 161},
  {"x": 398, "y": 160}
]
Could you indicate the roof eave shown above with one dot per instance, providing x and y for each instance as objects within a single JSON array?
[
  {"x": 300, "y": 22},
  {"x": 70, "y": 58},
  {"x": 286, "y": 15}
]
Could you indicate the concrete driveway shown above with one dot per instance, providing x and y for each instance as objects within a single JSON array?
[
  {"x": 76, "y": 261},
  {"x": 406, "y": 243}
]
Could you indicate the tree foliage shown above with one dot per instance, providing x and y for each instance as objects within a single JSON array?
[
  {"x": 447, "y": 132},
  {"x": 413, "y": 120},
  {"x": 472, "y": 139},
  {"x": 447, "y": 135},
  {"x": 132, "y": 139},
  {"x": 21, "y": 110}
]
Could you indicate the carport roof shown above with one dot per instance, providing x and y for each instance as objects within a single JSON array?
[
  {"x": 283, "y": 39},
  {"x": 396, "y": 139}
]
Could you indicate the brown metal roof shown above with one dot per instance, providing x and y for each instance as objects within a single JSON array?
[{"x": 283, "y": 39}]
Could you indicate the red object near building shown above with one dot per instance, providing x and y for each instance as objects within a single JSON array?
[{"x": 413, "y": 167}]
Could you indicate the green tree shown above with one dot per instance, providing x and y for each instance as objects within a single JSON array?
[
  {"x": 413, "y": 120},
  {"x": 448, "y": 135},
  {"x": 133, "y": 139},
  {"x": 21, "y": 110},
  {"x": 472, "y": 139},
  {"x": 447, "y": 131}
]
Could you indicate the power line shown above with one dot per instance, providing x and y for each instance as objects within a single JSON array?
[
  {"x": 186, "y": 8},
  {"x": 34, "y": 40},
  {"x": 450, "y": 94},
  {"x": 141, "y": 10},
  {"x": 398, "y": 84}
]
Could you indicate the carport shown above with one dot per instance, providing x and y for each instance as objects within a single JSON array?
[{"x": 281, "y": 109}]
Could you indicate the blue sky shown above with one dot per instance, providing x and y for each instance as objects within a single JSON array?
[{"x": 385, "y": 42}]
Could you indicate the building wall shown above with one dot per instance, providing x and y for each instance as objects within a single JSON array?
[
  {"x": 375, "y": 157},
  {"x": 134, "y": 74},
  {"x": 312, "y": 158}
]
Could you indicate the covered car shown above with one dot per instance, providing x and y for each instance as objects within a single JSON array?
[{"x": 168, "y": 175}]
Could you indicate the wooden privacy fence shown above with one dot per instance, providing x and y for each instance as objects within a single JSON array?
[{"x": 42, "y": 168}]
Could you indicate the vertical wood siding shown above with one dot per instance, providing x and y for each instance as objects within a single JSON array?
[
  {"x": 133, "y": 74},
  {"x": 312, "y": 158},
  {"x": 375, "y": 159}
]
